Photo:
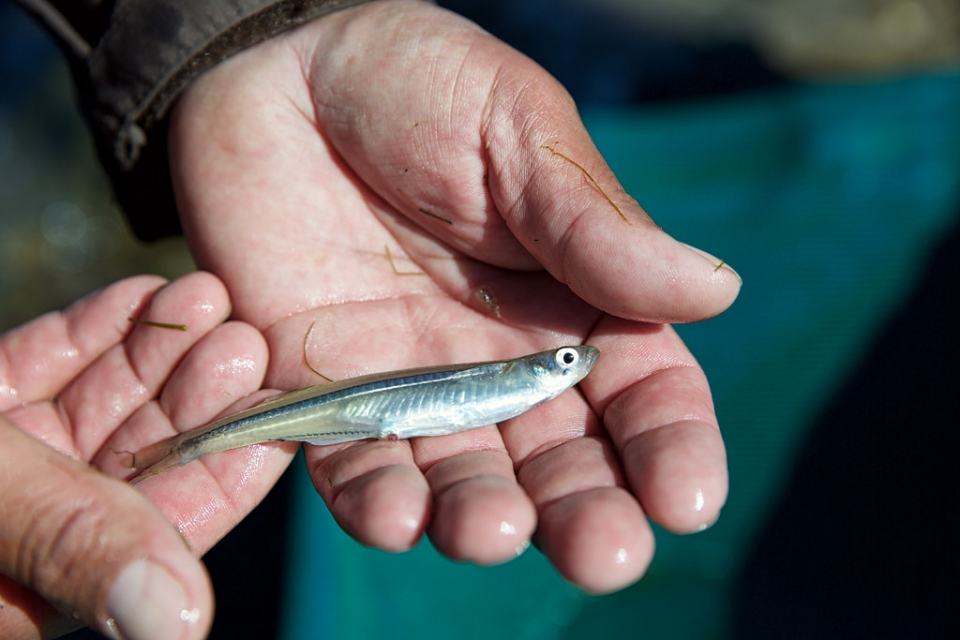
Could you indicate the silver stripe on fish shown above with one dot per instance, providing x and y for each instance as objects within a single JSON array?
[{"x": 431, "y": 401}]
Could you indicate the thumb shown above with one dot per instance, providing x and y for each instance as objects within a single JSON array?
[
  {"x": 486, "y": 149},
  {"x": 93, "y": 548},
  {"x": 564, "y": 204}
]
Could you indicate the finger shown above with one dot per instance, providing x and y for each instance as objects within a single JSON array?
[
  {"x": 94, "y": 548},
  {"x": 590, "y": 528},
  {"x": 597, "y": 539},
  {"x": 138, "y": 368},
  {"x": 562, "y": 201},
  {"x": 41, "y": 357},
  {"x": 480, "y": 513},
  {"x": 660, "y": 417},
  {"x": 222, "y": 369},
  {"x": 473, "y": 506},
  {"x": 374, "y": 490},
  {"x": 206, "y": 498}
]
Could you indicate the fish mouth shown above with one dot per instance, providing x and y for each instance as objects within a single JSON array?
[
  {"x": 590, "y": 354},
  {"x": 588, "y": 359}
]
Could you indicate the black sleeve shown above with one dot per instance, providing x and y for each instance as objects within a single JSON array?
[{"x": 130, "y": 59}]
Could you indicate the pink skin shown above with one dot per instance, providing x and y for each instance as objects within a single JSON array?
[
  {"x": 297, "y": 161},
  {"x": 294, "y": 164},
  {"x": 83, "y": 386}
]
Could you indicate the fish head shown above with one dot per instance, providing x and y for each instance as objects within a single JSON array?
[{"x": 559, "y": 369}]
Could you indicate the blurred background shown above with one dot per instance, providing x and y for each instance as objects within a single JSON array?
[{"x": 812, "y": 144}]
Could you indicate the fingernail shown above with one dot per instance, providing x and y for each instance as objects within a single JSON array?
[
  {"x": 147, "y": 603},
  {"x": 713, "y": 260}
]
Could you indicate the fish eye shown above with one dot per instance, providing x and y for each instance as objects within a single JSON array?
[{"x": 567, "y": 357}]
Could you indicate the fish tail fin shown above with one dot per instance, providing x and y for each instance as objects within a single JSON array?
[{"x": 156, "y": 458}]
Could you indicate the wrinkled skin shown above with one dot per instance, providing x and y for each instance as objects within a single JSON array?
[
  {"x": 297, "y": 165},
  {"x": 88, "y": 385}
]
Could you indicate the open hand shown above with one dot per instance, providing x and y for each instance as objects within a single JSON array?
[
  {"x": 420, "y": 193},
  {"x": 79, "y": 389}
]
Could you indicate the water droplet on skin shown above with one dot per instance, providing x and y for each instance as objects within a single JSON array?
[
  {"x": 190, "y": 615},
  {"x": 235, "y": 367},
  {"x": 412, "y": 524}
]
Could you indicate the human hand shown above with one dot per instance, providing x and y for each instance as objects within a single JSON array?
[
  {"x": 77, "y": 389},
  {"x": 399, "y": 127}
]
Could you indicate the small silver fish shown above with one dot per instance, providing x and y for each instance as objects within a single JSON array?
[{"x": 431, "y": 401}]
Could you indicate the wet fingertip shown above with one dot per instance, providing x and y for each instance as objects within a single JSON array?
[
  {"x": 704, "y": 512},
  {"x": 692, "y": 520},
  {"x": 597, "y": 539},
  {"x": 521, "y": 548},
  {"x": 486, "y": 520},
  {"x": 194, "y": 303},
  {"x": 387, "y": 508},
  {"x": 690, "y": 511},
  {"x": 215, "y": 299},
  {"x": 679, "y": 472},
  {"x": 703, "y": 525}
]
